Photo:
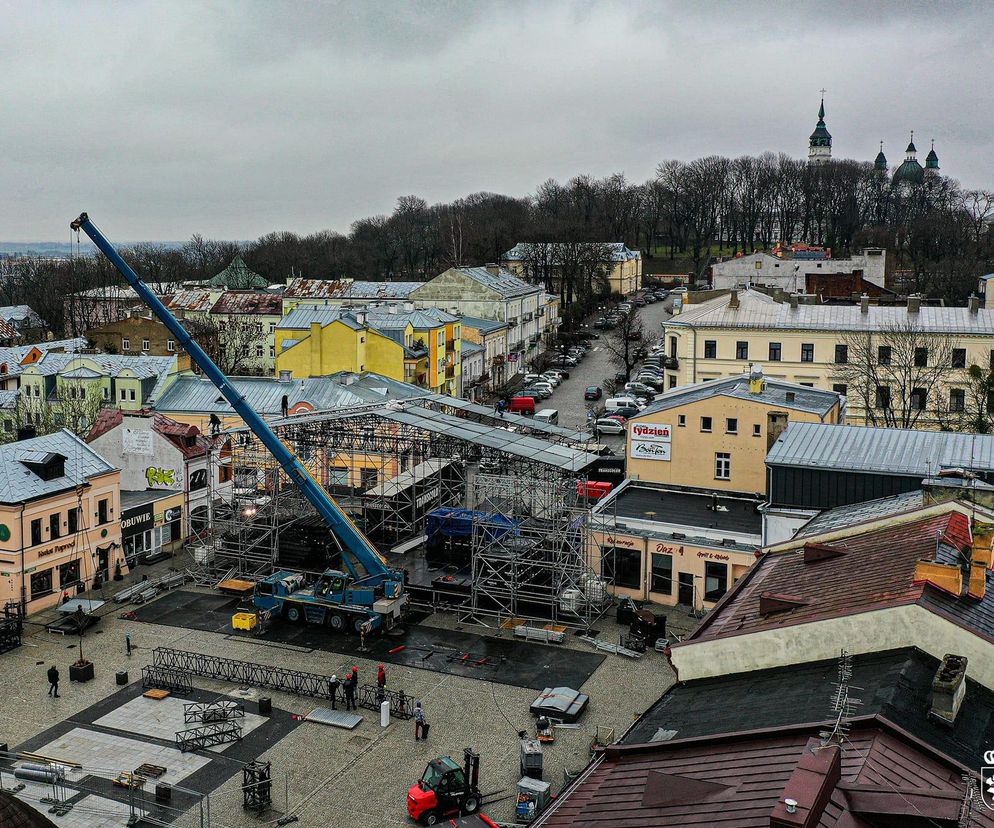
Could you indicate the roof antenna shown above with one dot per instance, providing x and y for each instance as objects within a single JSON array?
[
  {"x": 971, "y": 801},
  {"x": 842, "y": 702}
]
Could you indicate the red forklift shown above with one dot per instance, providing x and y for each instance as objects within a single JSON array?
[{"x": 446, "y": 790}]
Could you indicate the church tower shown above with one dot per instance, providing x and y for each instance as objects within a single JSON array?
[
  {"x": 880, "y": 163},
  {"x": 820, "y": 143},
  {"x": 931, "y": 162}
]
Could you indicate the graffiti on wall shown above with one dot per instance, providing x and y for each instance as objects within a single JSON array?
[{"x": 160, "y": 477}]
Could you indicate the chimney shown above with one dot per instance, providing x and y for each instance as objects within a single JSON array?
[
  {"x": 914, "y": 303},
  {"x": 493, "y": 269},
  {"x": 285, "y": 376},
  {"x": 809, "y": 788},
  {"x": 793, "y": 301},
  {"x": 948, "y": 689},
  {"x": 733, "y": 299},
  {"x": 360, "y": 317},
  {"x": 788, "y": 396},
  {"x": 974, "y": 304},
  {"x": 393, "y": 309},
  {"x": 408, "y": 306},
  {"x": 864, "y": 304}
]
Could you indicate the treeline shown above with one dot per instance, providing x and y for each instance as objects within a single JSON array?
[{"x": 939, "y": 235}]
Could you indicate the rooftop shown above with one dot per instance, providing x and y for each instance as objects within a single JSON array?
[
  {"x": 616, "y": 251},
  {"x": 237, "y": 276},
  {"x": 20, "y": 484},
  {"x": 92, "y": 365},
  {"x": 249, "y": 302},
  {"x": 186, "y": 438},
  {"x": 842, "y": 517},
  {"x": 131, "y": 500},
  {"x": 775, "y": 392},
  {"x": 657, "y": 503},
  {"x": 758, "y": 311},
  {"x": 503, "y": 282},
  {"x": 483, "y": 325},
  {"x": 880, "y": 450},
  {"x": 347, "y": 289}
]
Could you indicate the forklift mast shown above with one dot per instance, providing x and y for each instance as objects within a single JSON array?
[{"x": 472, "y": 769}]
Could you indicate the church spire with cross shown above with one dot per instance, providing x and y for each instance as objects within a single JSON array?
[{"x": 820, "y": 143}]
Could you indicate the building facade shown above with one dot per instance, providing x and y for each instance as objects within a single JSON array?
[
  {"x": 617, "y": 265},
  {"x": 491, "y": 334},
  {"x": 715, "y": 435},
  {"x": 60, "y": 520},
  {"x": 894, "y": 351},
  {"x": 792, "y": 273},
  {"x": 136, "y": 335}
]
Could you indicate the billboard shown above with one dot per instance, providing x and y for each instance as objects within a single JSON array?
[{"x": 650, "y": 441}]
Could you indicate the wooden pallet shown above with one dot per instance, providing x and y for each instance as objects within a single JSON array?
[
  {"x": 236, "y": 586},
  {"x": 156, "y": 693}
]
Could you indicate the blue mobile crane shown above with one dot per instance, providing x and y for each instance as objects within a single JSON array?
[{"x": 370, "y": 595}]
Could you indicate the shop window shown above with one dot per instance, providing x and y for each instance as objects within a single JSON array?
[
  {"x": 68, "y": 574},
  {"x": 662, "y": 574},
  {"x": 715, "y": 580},
  {"x": 622, "y": 567},
  {"x": 41, "y": 584},
  {"x": 36, "y": 531}
]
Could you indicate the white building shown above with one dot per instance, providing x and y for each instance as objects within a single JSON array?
[{"x": 790, "y": 274}]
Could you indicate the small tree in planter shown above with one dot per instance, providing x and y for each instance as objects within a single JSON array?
[
  {"x": 117, "y": 571},
  {"x": 82, "y": 669}
]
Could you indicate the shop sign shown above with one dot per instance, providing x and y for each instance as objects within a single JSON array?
[
  {"x": 651, "y": 441},
  {"x": 628, "y": 542},
  {"x": 713, "y": 556},
  {"x": 137, "y": 520},
  {"x": 52, "y": 550},
  {"x": 663, "y": 549}
]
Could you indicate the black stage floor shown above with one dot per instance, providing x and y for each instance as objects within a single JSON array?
[{"x": 502, "y": 660}]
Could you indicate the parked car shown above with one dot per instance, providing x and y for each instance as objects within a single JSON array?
[
  {"x": 626, "y": 411},
  {"x": 641, "y": 389},
  {"x": 606, "y": 425},
  {"x": 552, "y": 379},
  {"x": 601, "y": 322},
  {"x": 533, "y": 395},
  {"x": 531, "y": 378},
  {"x": 588, "y": 335},
  {"x": 621, "y": 418},
  {"x": 592, "y": 392},
  {"x": 544, "y": 391},
  {"x": 681, "y": 290},
  {"x": 650, "y": 299},
  {"x": 555, "y": 373},
  {"x": 655, "y": 383},
  {"x": 566, "y": 362},
  {"x": 640, "y": 302}
]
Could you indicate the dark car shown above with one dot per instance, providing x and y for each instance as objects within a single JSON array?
[
  {"x": 588, "y": 335},
  {"x": 535, "y": 395},
  {"x": 627, "y": 413},
  {"x": 621, "y": 377},
  {"x": 592, "y": 392}
]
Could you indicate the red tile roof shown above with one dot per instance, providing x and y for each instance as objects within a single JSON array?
[
  {"x": 877, "y": 776},
  {"x": 876, "y": 571}
]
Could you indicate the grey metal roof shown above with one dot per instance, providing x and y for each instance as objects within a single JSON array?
[
  {"x": 349, "y": 289},
  {"x": 760, "y": 312},
  {"x": 13, "y": 355},
  {"x": 504, "y": 283},
  {"x": 303, "y": 315},
  {"x": 775, "y": 393},
  {"x": 8, "y": 399},
  {"x": 881, "y": 450},
  {"x": 144, "y": 367},
  {"x": 21, "y": 313},
  {"x": 856, "y": 513},
  {"x": 197, "y": 395},
  {"x": 483, "y": 325},
  {"x": 19, "y": 484},
  {"x": 469, "y": 348}
]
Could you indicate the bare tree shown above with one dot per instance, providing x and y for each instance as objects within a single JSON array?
[
  {"x": 230, "y": 343},
  {"x": 895, "y": 375},
  {"x": 624, "y": 341}
]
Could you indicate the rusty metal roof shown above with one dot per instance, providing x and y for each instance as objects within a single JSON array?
[{"x": 249, "y": 302}]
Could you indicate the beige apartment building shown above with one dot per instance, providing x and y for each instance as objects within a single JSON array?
[
  {"x": 715, "y": 435},
  {"x": 621, "y": 266},
  {"x": 904, "y": 366}
]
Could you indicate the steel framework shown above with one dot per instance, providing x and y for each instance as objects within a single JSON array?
[
  {"x": 208, "y": 735},
  {"x": 215, "y": 711},
  {"x": 251, "y": 674},
  {"x": 257, "y": 787},
  {"x": 165, "y": 678},
  {"x": 11, "y": 626}
]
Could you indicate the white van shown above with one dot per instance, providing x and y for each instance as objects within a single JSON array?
[
  {"x": 614, "y": 403},
  {"x": 548, "y": 415}
]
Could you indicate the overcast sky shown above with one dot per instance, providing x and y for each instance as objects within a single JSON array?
[{"x": 236, "y": 118}]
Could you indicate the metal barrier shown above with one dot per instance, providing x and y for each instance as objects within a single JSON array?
[
  {"x": 163, "y": 678},
  {"x": 215, "y": 711},
  {"x": 296, "y": 682},
  {"x": 208, "y": 735}
]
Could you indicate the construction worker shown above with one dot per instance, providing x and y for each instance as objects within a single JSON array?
[
  {"x": 420, "y": 725},
  {"x": 53, "y": 681},
  {"x": 351, "y": 682},
  {"x": 333, "y": 686},
  {"x": 381, "y": 683}
]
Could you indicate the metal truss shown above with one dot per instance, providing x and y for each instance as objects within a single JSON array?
[
  {"x": 215, "y": 711},
  {"x": 257, "y": 787},
  {"x": 251, "y": 674},
  {"x": 11, "y": 627},
  {"x": 208, "y": 735},
  {"x": 165, "y": 678}
]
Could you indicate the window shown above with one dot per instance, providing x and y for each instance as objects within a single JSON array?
[
  {"x": 198, "y": 480},
  {"x": 73, "y": 517},
  {"x": 722, "y": 466},
  {"x": 171, "y": 345},
  {"x": 757, "y": 430},
  {"x": 992, "y": 359},
  {"x": 775, "y": 352},
  {"x": 145, "y": 344},
  {"x": 715, "y": 580},
  {"x": 662, "y": 574},
  {"x": 840, "y": 388},
  {"x": 711, "y": 349},
  {"x": 742, "y": 350},
  {"x": 957, "y": 400},
  {"x": 106, "y": 391},
  {"x": 622, "y": 567},
  {"x": 681, "y": 420},
  {"x": 8, "y": 425},
  {"x": 841, "y": 354},
  {"x": 124, "y": 394},
  {"x": 807, "y": 384},
  {"x": 131, "y": 395},
  {"x": 222, "y": 326},
  {"x": 272, "y": 351},
  {"x": 672, "y": 381},
  {"x": 959, "y": 357},
  {"x": 54, "y": 526},
  {"x": 732, "y": 425},
  {"x": 883, "y": 396},
  {"x": 338, "y": 476},
  {"x": 125, "y": 344},
  {"x": 68, "y": 574},
  {"x": 921, "y": 357},
  {"x": 272, "y": 327},
  {"x": 807, "y": 352},
  {"x": 258, "y": 350},
  {"x": 103, "y": 511},
  {"x": 41, "y": 584},
  {"x": 990, "y": 402},
  {"x": 673, "y": 347},
  {"x": 258, "y": 327},
  {"x": 883, "y": 355},
  {"x": 36, "y": 531},
  {"x": 919, "y": 399},
  {"x": 224, "y": 474},
  {"x": 705, "y": 424}
]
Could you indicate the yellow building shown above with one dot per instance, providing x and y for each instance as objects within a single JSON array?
[
  {"x": 885, "y": 360},
  {"x": 715, "y": 435},
  {"x": 542, "y": 262},
  {"x": 673, "y": 546},
  {"x": 60, "y": 527},
  {"x": 421, "y": 347}
]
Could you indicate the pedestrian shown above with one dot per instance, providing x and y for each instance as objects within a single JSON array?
[
  {"x": 127, "y": 643},
  {"x": 53, "y": 681},
  {"x": 381, "y": 683},
  {"x": 333, "y": 686},
  {"x": 351, "y": 680},
  {"x": 420, "y": 723}
]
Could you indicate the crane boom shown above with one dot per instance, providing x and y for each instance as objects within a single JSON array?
[{"x": 353, "y": 542}]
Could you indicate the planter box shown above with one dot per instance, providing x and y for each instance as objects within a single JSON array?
[{"x": 81, "y": 672}]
